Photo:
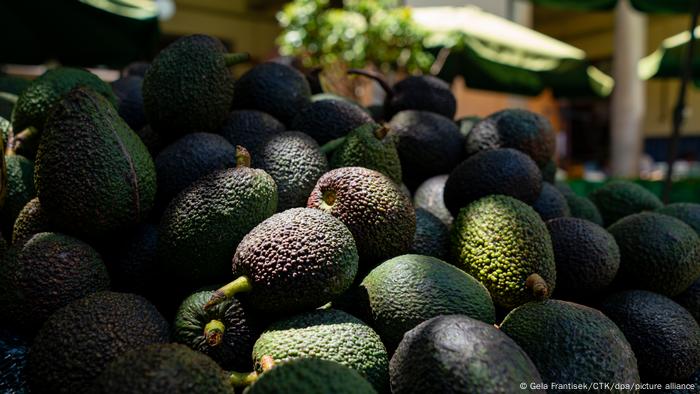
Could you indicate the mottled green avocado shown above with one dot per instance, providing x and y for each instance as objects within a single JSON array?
[
  {"x": 369, "y": 146},
  {"x": 327, "y": 120},
  {"x": 20, "y": 189},
  {"x": 618, "y": 199},
  {"x": 421, "y": 93}
]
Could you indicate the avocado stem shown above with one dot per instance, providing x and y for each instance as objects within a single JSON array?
[
  {"x": 242, "y": 156},
  {"x": 381, "y": 132},
  {"x": 240, "y": 285},
  {"x": 242, "y": 379},
  {"x": 9, "y": 97},
  {"x": 266, "y": 363},
  {"x": 379, "y": 78},
  {"x": 538, "y": 286},
  {"x": 231, "y": 59},
  {"x": 214, "y": 332}
]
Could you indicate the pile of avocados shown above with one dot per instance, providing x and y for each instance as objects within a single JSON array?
[{"x": 188, "y": 230}]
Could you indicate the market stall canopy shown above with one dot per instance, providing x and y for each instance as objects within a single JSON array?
[
  {"x": 649, "y": 6},
  {"x": 78, "y": 32},
  {"x": 493, "y": 53},
  {"x": 667, "y": 60}
]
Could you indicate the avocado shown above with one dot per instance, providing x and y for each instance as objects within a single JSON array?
[
  {"x": 505, "y": 245},
  {"x": 78, "y": 341},
  {"x": 459, "y": 354},
  {"x": 429, "y": 196},
  {"x": 432, "y": 237},
  {"x": 311, "y": 376},
  {"x": 294, "y": 160},
  {"x": 46, "y": 273},
  {"x": 428, "y": 145},
  {"x": 664, "y": 336},
  {"x": 689, "y": 213},
  {"x": 586, "y": 255},
  {"x": 130, "y": 101},
  {"x": 551, "y": 204},
  {"x": 189, "y": 86},
  {"x": 200, "y": 229},
  {"x": 93, "y": 175},
  {"x": 186, "y": 160},
  {"x": 379, "y": 215},
  {"x": 690, "y": 299},
  {"x": 162, "y": 368},
  {"x": 658, "y": 253},
  {"x": 13, "y": 362},
  {"x": 617, "y": 199},
  {"x": 572, "y": 343},
  {"x": 583, "y": 208},
  {"x": 250, "y": 129},
  {"x": 518, "y": 129},
  {"x": 499, "y": 171},
  {"x": 31, "y": 220},
  {"x": 333, "y": 96},
  {"x": 331, "y": 335},
  {"x": 225, "y": 332},
  {"x": 326, "y": 120},
  {"x": 294, "y": 261},
  {"x": 36, "y": 102},
  {"x": 369, "y": 146},
  {"x": 5, "y": 130},
  {"x": 20, "y": 189},
  {"x": 276, "y": 89},
  {"x": 132, "y": 261}
]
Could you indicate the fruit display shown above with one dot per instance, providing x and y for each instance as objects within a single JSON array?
[{"x": 188, "y": 229}]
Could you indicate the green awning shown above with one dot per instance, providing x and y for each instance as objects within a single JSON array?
[
  {"x": 649, "y": 6},
  {"x": 667, "y": 60},
  {"x": 492, "y": 53}
]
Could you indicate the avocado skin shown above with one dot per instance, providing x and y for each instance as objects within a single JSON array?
[
  {"x": 428, "y": 145},
  {"x": 311, "y": 376},
  {"x": 363, "y": 148},
  {"x": 331, "y": 335},
  {"x": 572, "y": 343},
  {"x": 5, "y": 130},
  {"x": 687, "y": 212},
  {"x": 188, "y": 87},
  {"x": 297, "y": 260},
  {"x": 421, "y": 93},
  {"x": 78, "y": 341},
  {"x": 664, "y": 336},
  {"x": 617, "y": 199},
  {"x": 326, "y": 120},
  {"x": 658, "y": 253},
  {"x": 295, "y": 162},
  {"x": 583, "y": 208},
  {"x": 429, "y": 196},
  {"x": 186, "y": 160},
  {"x": 432, "y": 237},
  {"x": 240, "y": 332},
  {"x": 507, "y": 172},
  {"x": 101, "y": 184},
  {"x": 276, "y": 89},
  {"x": 551, "y": 204},
  {"x": 501, "y": 241},
  {"x": 690, "y": 299},
  {"x": 250, "y": 129},
  {"x": 199, "y": 231},
  {"x": 162, "y": 368},
  {"x": 459, "y": 354},
  {"x": 31, "y": 220},
  {"x": 20, "y": 190},
  {"x": 587, "y": 258},
  {"x": 518, "y": 129},
  {"x": 46, "y": 273},
  {"x": 130, "y": 101},
  {"x": 381, "y": 217},
  {"x": 36, "y": 102}
]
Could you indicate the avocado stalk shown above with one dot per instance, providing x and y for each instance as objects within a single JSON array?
[
  {"x": 244, "y": 379},
  {"x": 9, "y": 97},
  {"x": 214, "y": 332},
  {"x": 242, "y": 157},
  {"x": 240, "y": 285},
  {"x": 381, "y": 132},
  {"x": 538, "y": 286},
  {"x": 231, "y": 59},
  {"x": 379, "y": 78}
]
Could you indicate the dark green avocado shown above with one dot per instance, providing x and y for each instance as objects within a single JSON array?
[
  {"x": 369, "y": 146},
  {"x": 250, "y": 129},
  {"x": 432, "y": 236},
  {"x": 20, "y": 189},
  {"x": 617, "y": 199},
  {"x": 327, "y": 120},
  {"x": 583, "y": 208},
  {"x": 687, "y": 212},
  {"x": 130, "y": 101},
  {"x": 551, "y": 204},
  {"x": 31, "y": 220}
]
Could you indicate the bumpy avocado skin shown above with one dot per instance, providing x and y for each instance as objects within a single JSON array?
[
  {"x": 311, "y": 376},
  {"x": 20, "y": 189},
  {"x": 658, "y": 253},
  {"x": 200, "y": 229},
  {"x": 687, "y": 212},
  {"x": 188, "y": 87},
  {"x": 572, "y": 343},
  {"x": 551, "y": 204},
  {"x": 430, "y": 196},
  {"x": 432, "y": 236},
  {"x": 690, "y": 299},
  {"x": 5, "y": 130},
  {"x": 93, "y": 175},
  {"x": 330, "y": 335},
  {"x": 296, "y": 260},
  {"x": 276, "y": 89},
  {"x": 364, "y": 148},
  {"x": 326, "y": 120},
  {"x": 295, "y": 162},
  {"x": 250, "y": 129},
  {"x": 501, "y": 241},
  {"x": 240, "y": 330},
  {"x": 379, "y": 215},
  {"x": 518, "y": 129},
  {"x": 500, "y": 171},
  {"x": 618, "y": 199},
  {"x": 78, "y": 341},
  {"x": 421, "y": 93},
  {"x": 458, "y": 354},
  {"x": 162, "y": 368},
  {"x": 664, "y": 336},
  {"x": 45, "y": 274},
  {"x": 31, "y": 220},
  {"x": 583, "y": 208},
  {"x": 36, "y": 102}
]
